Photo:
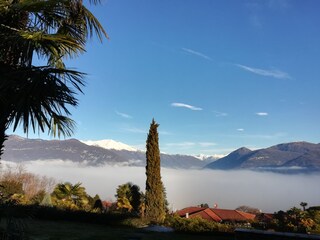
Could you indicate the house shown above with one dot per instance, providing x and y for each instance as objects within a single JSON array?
[{"x": 217, "y": 215}]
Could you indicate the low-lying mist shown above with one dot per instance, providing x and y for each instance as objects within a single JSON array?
[{"x": 267, "y": 191}]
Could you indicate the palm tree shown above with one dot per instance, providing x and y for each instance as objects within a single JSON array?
[
  {"x": 128, "y": 197},
  {"x": 37, "y": 97},
  {"x": 71, "y": 196},
  {"x": 124, "y": 197}
]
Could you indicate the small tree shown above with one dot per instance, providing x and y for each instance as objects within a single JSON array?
[
  {"x": 204, "y": 205},
  {"x": 248, "y": 209},
  {"x": 303, "y": 205},
  {"x": 96, "y": 203},
  {"x": 155, "y": 197}
]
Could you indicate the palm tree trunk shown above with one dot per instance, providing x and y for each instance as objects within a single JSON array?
[
  {"x": 3, "y": 137},
  {"x": 3, "y": 128}
]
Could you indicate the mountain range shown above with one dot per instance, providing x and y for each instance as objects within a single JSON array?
[
  {"x": 91, "y": 153},
  {"x": 286, "y": 157},
  {"x": 292, "y": 157}
]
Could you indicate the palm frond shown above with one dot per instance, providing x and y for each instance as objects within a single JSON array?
[
  {"x": 61, "y": 125},
  {"x": 95, "y": 2},
  {"x": 40, "y": 96},
  {"x": 93, "y": 25}
]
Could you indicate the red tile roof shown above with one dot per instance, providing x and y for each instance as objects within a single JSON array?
[
  {"x": 217, "y": 215},
  {"x": 228, "y": 215},
  {"x": 208, "y": 214},
  {"x": 264, "y": 217},
  {"x": 249, "y": 216},
  {"x": 189, "y": 210}
]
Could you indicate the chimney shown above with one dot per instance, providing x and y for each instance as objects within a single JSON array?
[{"x": 187, "y": 215}]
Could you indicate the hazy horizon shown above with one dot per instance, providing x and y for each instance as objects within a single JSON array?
[{"x": 267, "y": 191}]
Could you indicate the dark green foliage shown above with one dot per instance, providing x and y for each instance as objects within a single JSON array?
[
  {"x": 303, "y": 205},
  {"x": 135, "y": 222},
  {"x": 204, "y": 205},
  {"x": 96, "y": 203},
  {"x": 294, "y": 220},
  {"x": 154, "y": 197},
  {"x": 3, "y": 136},
  {"x": 73, "y": 196},
  {"x": 315, "y": 216},
  {"x": 196, "y": 225},
  {"x": 166, "y": 203},
  {"x": 314, "y": 208},
  {"x": 58, "y": 214},
  {"x": 37, "y": 198},
  {"x": 135, "y": 197},
  {"x": 129, "y": 197}
]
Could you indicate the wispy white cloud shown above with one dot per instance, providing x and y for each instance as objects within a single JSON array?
[
  {"x": 220, "y": 114},
  {"x": 181, "y": 144},
  {"x": 124, "y": 115},
  {"x": 196, "y": 53},
  {"x": 262, "y": 114},
  {"x": 183, "y": 105},
  {"x": 257, "y": 10},
  {"x": 240, "y": 129},
  {"x": 207, "y": 144},
  {"x": 263, "y": 72},
  {"x": 135, "y": 130},
  {"x": 278, "y": 5},
  {"x": 165, "y": 133},
  {"x": 191, "y": 144}
]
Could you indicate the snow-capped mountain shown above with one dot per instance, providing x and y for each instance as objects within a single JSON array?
[
  {"x": 201, "y": 157},
  {"x": 18, "y": 149},
  {"x": 110, "y": 144},
  {"x": 209, "y": 158}
]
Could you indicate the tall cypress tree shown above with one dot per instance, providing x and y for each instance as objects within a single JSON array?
[{"x": 154, "y": 197}]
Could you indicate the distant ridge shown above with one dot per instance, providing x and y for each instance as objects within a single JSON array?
[
  {"x": 286, "y": 157},
  {"x": 292, "y": 157},
  {"x": 97, "y": 153}
]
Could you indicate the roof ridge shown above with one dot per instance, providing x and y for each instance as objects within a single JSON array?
[
  {"x": 212, "y": 214},
  {"x": 246, "y": 215}
]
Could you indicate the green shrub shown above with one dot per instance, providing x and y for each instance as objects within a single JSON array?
[
  {"x": 295, "y": 220},
  {"x": 196, "y": 225},
  {"x": 135, "y": 222}
]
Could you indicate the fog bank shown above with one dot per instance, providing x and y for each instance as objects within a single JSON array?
[{"x": 229, "y": 189}]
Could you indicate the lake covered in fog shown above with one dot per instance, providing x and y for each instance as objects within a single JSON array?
[{"x": 267, "y": 191}]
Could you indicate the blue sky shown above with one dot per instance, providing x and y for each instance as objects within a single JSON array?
[{"x": 216, "y": 75}]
